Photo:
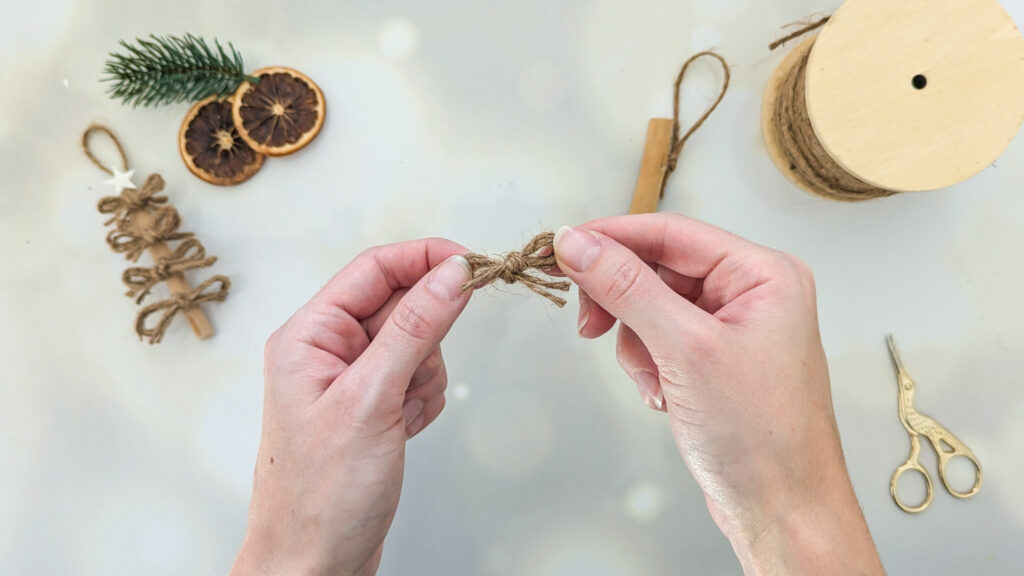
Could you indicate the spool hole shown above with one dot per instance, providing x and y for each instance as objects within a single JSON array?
[{"x": 919, "y": 81}]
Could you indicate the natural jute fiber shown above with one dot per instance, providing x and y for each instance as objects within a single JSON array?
[
  {"x": 678, "y": 142},
  {"x": 798, "y": 143},
  {"x": 178, "y": 303},
  {"x": 143, "y": 220},
  {"x": 189, "y": 254},
  {"x": 538, "y": 254}
]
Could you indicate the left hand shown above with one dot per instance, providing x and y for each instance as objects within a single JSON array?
[{"x": 348, "y": 379}]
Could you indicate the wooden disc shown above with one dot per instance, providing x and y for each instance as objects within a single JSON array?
[
  {"x": 916, "y": 94},
  {"x": 771, "y": 138}
]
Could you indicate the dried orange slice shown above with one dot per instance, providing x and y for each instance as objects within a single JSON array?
[
  {"x": 279, "y": 114},
  {"x": 211, "y": 146}
]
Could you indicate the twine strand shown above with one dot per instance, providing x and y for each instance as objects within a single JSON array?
[
  {"x": 805, "y": 27},
  {"x": 87, "y": 135},
  {"x": 538, "y": 254},
  {"x": 678, "y": 142},
  {"x": 178, "y": 303}
]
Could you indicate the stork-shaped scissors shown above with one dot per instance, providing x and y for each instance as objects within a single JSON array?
[{"x": 946, "y": 445}]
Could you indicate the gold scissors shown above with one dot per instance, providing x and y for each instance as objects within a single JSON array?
[{"x": 945, "y": 444}]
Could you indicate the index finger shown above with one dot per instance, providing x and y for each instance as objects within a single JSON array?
[
  {"x": 363, "y": 286},
  {"x": 687, "y": 246}
]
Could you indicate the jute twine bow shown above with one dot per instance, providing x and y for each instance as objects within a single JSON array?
[
  {"x": 512, "y": 267},
  {"x": 678, "y": 142},
  {"x": 134, "y": 242},
  {"x": 131, "y": 201},
  {"x": 179, "y": 303},
  {"x": 188, "y": 255}
]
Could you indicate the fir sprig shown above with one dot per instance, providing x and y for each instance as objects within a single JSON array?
[{"x": 170, "y": 69}]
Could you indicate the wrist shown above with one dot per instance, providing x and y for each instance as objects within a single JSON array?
[
  {"x": 813, "y": 532},
  {"x": 262, "y": 557}
]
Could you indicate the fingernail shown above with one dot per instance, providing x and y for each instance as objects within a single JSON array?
[
  {"x": 447, "y": 279},
  {"x": 584, "y": 313},
  {"x": 410, "y": 412},
  {"x": 577, "y": 248},
  {"x": 650, "y": 389},
  {"x": 415, "y": 426}
]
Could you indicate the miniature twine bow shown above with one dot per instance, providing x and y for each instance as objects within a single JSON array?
[
  {"x": 537, "y": 254},
  {"x": 179, "y": 303},
  {"x": 134, "y": 242},
  {"x": 188, "y": 255},
  {"x": 131, "y": 201}
]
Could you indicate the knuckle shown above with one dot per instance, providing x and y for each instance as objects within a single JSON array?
[
  {"x": 431, "y": 368},
  {"x": 624, "y": 281},
  {"x": 704, "y": 342},
  {"x": 273, "y": 342},
  {"x": 801, "y": 270},
  {"x": 411, "y": 323},
  {"x": 370, "y": 252}
]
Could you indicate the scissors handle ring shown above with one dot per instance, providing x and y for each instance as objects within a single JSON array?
[
  {"x": 894, "y": 486},
  {"x": 944, "y": 458}
]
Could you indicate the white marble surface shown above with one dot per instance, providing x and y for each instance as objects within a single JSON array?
[{"x": 483, "y": 123}]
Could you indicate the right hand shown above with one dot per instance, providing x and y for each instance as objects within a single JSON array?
[{"x": 723, "y": 335}]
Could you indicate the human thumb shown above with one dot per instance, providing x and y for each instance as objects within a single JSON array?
[
  {"x": 413, "y": 330},
  {"x": 623, "y": 284}
]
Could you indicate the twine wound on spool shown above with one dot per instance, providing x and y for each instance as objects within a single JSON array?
[
  {"x": 538, "y": 254},
  {"x": 798, "y": 142}
]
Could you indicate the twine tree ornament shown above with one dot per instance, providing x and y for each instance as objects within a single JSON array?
[{"x": 142, "y": 220}]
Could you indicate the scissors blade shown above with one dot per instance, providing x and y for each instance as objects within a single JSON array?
[
  {"x": 897, "y": 362},
  {"x": 905, "y": 384}
]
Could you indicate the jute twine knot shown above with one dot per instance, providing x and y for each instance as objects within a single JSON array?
[
  {"x": 132, "y": 243},
  {"x": 190, "y": 254},
  {"x": 538, "y": 254},
  {"x": 130, "y": 201},
  {"x": 179, "y": 303}
]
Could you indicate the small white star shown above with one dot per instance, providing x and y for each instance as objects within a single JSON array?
[{"x": 122, "y": 180}]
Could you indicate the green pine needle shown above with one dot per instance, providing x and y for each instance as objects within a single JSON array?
[{"x": 170, "y": 69}]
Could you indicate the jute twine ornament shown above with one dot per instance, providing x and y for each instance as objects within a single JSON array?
[
  {"x": 665, "y": 142},
  {"x": 144, "y": 221},
  {"x": 537, "y": 255},
  {"x": 890, "y": 97}
]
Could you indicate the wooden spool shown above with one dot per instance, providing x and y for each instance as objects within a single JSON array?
[{"x": 868, "y": 107}]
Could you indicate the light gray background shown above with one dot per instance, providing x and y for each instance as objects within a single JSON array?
[{"x": 483, "y": 123}]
